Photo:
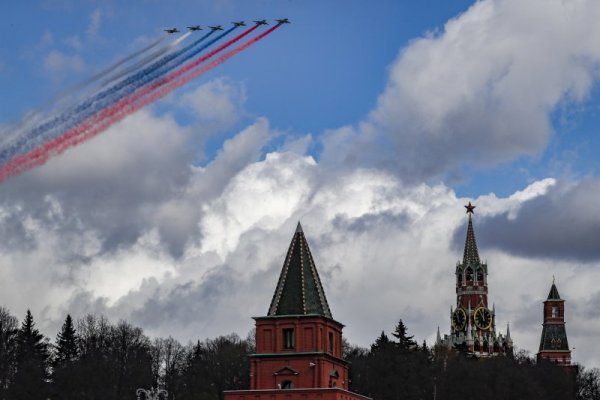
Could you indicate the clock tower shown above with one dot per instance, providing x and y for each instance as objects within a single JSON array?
[{"x": 472, "y": 321}]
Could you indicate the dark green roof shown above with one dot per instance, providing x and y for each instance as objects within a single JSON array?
[
  {"x": 471, "y": 255},
  {"x": 299, "y": 290},
  {"x": 554, "y": 337},
  {"x": 553, "y": 295}
]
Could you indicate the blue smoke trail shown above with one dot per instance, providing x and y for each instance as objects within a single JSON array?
[
  {"x": 21, "y": 126},
  {"x": 85, "y": 110}
]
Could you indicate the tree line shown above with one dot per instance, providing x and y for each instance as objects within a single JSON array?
[
  {"x": 94, "y": 359},
  {"x": 97, "y": 360}
]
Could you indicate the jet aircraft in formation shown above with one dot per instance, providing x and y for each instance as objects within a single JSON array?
[{"x": 236, "y": 23}]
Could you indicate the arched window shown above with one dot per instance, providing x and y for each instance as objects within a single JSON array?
[
  {"x": 469, "y": 274},
  {"x": 477, "y": 347},
  {"x": 287, "y": 385},
  {"x": 480, "y": 276},
  {"x": 459, "y": 279},
  {"x": 496, "y": 347},
  {"x": 486, "y": 347}
]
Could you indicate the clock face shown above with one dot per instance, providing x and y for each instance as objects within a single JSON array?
[
  {"x": 459, "y": 319},
  {"x": 483, "y": 318}
]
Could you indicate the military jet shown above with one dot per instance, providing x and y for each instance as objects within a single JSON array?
[
  {"x": 172, "y": 30},
  {"x": 283, "y": 21},
  {"x": 240, "y": 23},
  {"x": 216, "y": 28},
  {"x": 261, "y": 22},
  {"x": 194, "y": 28}
]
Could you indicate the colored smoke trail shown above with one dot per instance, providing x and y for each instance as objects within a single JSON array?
[
  {"x": 141, "y": 63},
  {"x": 111, "y": 115},
  {"x": 73, "y": 117},
  {"x": 18, "y": 128},
  {"x": 107, "y": 71}
]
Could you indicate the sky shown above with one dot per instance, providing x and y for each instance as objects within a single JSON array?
[{"x": 373, "y": 126}]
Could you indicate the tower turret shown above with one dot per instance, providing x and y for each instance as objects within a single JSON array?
[
  {"x": 298, "y": 343},
  {"x": 554, "y": 345}
]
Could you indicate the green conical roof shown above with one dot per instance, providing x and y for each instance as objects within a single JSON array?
[
  {"x": 471, "y": 255},
  {"x": 299, "y": 290},
  {"x": 553, "y": 295}
]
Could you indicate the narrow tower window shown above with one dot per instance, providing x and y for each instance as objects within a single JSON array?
[
  {"x": 480, "y": 276},
  {"x": 288, "y": 338},
  {"x": 554, "y": 312},
  {"x": 459, "y": 279},
  {"x": 331, "y": 342},
  {"x": 469, "y": 274}
]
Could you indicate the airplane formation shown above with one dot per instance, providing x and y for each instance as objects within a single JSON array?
[{"x": 220, "y": 28}]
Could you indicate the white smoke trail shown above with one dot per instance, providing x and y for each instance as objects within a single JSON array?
[{"x": 143, "y": 62}]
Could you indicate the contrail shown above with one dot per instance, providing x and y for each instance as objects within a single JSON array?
[{"x": 110, "y": 115}]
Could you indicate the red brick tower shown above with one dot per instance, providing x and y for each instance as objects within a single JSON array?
[
  {"x": 473, "y": 323},
  {"x": 553, "y": 344},
  {"x": 298, "y": 344}
]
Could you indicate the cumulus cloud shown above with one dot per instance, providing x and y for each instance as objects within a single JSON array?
[
  {"x": 480, "y": 91},
  {"x": 561, "y": 224},
  {"x": 127, "y": 225},
  {"x": 217, "y": 104}
]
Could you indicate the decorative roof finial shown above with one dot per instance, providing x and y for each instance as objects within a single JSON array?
[
  {"x": 553, "y": 279},
  {"x": 470, "y": 209}
]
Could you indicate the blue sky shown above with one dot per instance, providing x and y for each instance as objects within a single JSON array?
[
  {"x": 373, "y": 123},
  {"x": 324, "y": 71}
]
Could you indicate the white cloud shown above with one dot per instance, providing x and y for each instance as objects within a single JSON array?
[
  {"x": 74, "y": 42},
  {"x": 209, "y": 241},
  {"x": 95, "y": 23},
  {"x": 58, "y": 64},
  {"x": 217, "y": 104},
  {"x": 480, "y": 91}
]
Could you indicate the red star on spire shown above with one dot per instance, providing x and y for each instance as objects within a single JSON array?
[{"x": 470, "y": 208}]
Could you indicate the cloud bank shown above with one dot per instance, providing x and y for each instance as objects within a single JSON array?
[{"x": 130, "y": 225}]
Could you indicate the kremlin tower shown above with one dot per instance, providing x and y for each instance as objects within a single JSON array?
[
  {"x": 298, "y": 343},
  {"x": 473, "y": 323},
  {"x": 554, "y": 345}
]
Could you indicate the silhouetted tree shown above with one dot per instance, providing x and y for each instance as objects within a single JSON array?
[
  {"x": 405, "y": 342},
  {"x": 588, "y": 384},
  {"x": 66, "y": 355},
  {"x": 216, "y": 365},
  {"x": 8, "y": 335},
  {"x": 32, "y": 356}
]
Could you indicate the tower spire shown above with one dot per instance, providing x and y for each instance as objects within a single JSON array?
[
  {"x": 299, "y": 290},
  {"x": 471, "y": 254},
  {"x": 553, "y": 295}
]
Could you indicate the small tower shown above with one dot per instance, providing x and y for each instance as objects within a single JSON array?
[
  {"x": 298, "y": 343},
  {"x": 553, "y": 344}
]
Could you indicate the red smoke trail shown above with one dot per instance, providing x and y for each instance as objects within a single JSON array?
[{"x": 113, "y": 114}]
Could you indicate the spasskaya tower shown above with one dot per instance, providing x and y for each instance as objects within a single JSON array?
[{"x": 472, "y": 322}]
